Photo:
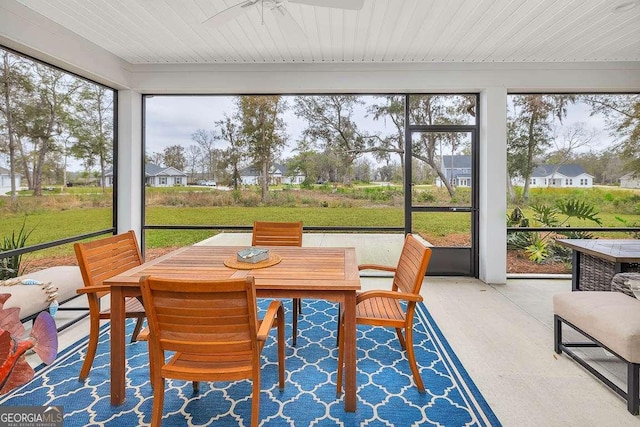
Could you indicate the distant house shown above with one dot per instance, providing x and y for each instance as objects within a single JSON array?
[
  {"x": 156, "y": 176},
  {"x": 570, "y": 175},
  {"x": 457, "y": 170},
  {"x": 278, "y": 174},
  {"x": 5, "y": 180},
  {"x": 630, "y": 181}
]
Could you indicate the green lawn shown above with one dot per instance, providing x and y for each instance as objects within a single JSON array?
[
  {"x": 86, "y": 209},
  {"x": 53, "y": 225}
]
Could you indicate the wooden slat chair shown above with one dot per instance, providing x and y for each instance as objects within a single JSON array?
[
  {"x": 280, "y": 234},
  {"x": 382, "y": 307},
  {"x": 100, "y": 260},
  {"x": 212, "y": 327}
]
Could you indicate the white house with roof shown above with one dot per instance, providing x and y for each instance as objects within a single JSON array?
[
  {"x": 569, "y": 175},
  {"x": 457, "y": 170},
  {"x": 630, "y": 180},
  {"x": 278, "y": 174},
  {"x": 156, "y": 176},
  {"x": 5, "y": 180}
]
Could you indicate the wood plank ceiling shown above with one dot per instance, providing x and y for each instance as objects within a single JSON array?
[{"x": 382, "y": 31}]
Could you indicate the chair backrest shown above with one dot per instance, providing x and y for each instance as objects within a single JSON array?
[
  {"x": 104, "y": 258},
  {"x": 277, "y": 233},
  {"x": 217, "y": 318},
  {"x": 412, "y": 266}
]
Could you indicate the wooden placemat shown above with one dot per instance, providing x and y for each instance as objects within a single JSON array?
[{"x": 232, "y": 262}]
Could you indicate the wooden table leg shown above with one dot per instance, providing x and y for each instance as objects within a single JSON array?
[
  {"x": 117, "y": 346},
  {"x": 350, "y": 351}
]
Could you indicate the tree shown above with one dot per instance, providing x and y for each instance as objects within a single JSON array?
[
  {"x": 155, "y": 158},
  {"x": 529, "y": 131},
  {"x": 91, "y": 125},
  {"x": 390, "y": 172},
  {"x": 392, "y": 109},
  {"x": 15, "y": 84},
  {"x": 43, "y": 117},
  {"x": 330, "y": 122},
  {"x": 263, "y": 131},
  {"x": 192, "y": 157},
  {"x": 174, "y": 157},
  {"x": 232, "y": 134},
  {"x": 362, "y": 170},
  {"x": 566, "y": 144},
  {"x": 206, "y": 141},
  {"x": 429, "y": 147},
  {"x": 606, "y": 166},
  {"x": 622, "y": 116},
  {"x": 306, "y": 162}
]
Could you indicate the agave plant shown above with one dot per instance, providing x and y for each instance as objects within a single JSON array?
[
  {"x": 518, "y": 240},
  {"x": 10, "y": 266}
]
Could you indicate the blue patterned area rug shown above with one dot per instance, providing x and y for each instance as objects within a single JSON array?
[{"x": 386, "y": 393}]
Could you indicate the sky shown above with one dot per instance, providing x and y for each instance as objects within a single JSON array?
[
  {"x": 579, "y": 113},
  {"x": 172, "y": 120}
]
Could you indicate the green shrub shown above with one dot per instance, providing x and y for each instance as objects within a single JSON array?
[
  {"x": 425, "y": 197},
  {"x": 539, "y": 246},
  {"x": 11, "y": 266}
]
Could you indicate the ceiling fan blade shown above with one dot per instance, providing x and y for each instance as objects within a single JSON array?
[
  {"x": 230, "y": 13},
  {"x": 287, "y": 22},
  {"x": 338, "y": 4}
]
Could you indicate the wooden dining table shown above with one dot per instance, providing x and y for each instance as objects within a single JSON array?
[{"x": 328, "y": 273}]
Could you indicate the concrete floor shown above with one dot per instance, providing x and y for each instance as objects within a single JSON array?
[{"x": 502, "y": 334}]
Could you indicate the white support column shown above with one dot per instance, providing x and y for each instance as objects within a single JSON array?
[
  {"x": 493, "y": 185},
  {"x": 129, "y": 162}
]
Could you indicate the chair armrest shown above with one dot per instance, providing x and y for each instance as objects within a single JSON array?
[
  {"x": 93, "y": 289},
  {"x": 275, "y": 309},
  {"x": 376, "y": 267},
  {"x": 388, "y": 294}
]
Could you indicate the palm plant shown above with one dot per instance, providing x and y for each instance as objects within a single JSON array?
[{"x": 539, "y": 246}]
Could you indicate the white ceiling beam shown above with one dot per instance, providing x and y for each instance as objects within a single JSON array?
[{"x": 30, "y": 33}]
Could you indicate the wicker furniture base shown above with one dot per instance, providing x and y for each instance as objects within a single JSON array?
[
  {"x": 596, "y": 274},
  {"x": 619, "y": 283}
]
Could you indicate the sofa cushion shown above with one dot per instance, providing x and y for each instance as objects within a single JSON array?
[{"x": 612, "y": 318}]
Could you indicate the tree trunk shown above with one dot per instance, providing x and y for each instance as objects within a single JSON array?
[
  {"x": 525, "y": 190},
  {"x": 37, "y": 169},
  {"x": 445, "y": 181},
  {"x": 102, "y": 172},
  {"x": 12, "y": 160},
  {"x": 9, "y": 126},
  {"x": 25, "y": 167},
  {"x": 102, "y": 137},
  {"x": 236, "y": 176},
  {"x": 510, "y": 191},
  {"x": 265, "y": 182}
]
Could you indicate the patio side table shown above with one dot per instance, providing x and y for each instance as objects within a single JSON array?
[{"x": 596, "y": 261}]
